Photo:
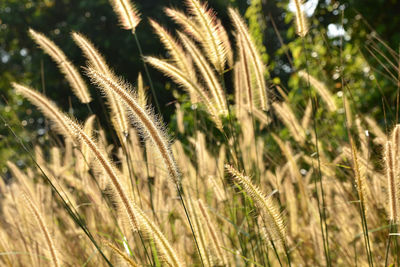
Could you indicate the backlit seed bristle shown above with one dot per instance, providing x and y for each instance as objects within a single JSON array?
[
  {"x": 301, "y": 19},
  {"x": 107, "y": 168},
  {"x": 71, "y": 73},
  {"x": 127, "y": 14},
  {"x": 305, "y": 122},
  {"x": 246, "y": 86},
  {"x": 212, "y": 233},
  {"x": 396, "y": 163},
  {"x": 375, "y": 129},
  {"x": 164, "y": 247},
  {"x": 95, "y": 58},
  {"x": 238, "y": 88},
  {"x": 71, "y": 129},
  {"x": 188, "y": 25},
  {"x": 124, "y": 189},
  {"x": 289, "y": 119},
  {"x": 262, "y": 117},
  {"x": 141, "y": 92},
  {"x": 198, "y": 229},
  {"x": 396, "y": 143}
]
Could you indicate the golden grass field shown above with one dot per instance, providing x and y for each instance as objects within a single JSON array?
[{"x": 218, "y": 197}]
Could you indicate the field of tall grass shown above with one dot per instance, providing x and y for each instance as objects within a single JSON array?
[{"x": 230, "y": 189}]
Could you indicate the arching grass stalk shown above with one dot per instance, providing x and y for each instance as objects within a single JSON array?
[{"x": 148, "y": 125}]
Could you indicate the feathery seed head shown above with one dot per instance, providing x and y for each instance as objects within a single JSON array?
[
  {"x": 191, "y": 86},
  {"x": 97, "y": 62},
  {"x": 301, "y": 19},
  {"x": 67, "y": 68},
  {"x": 213, "y": 37},
  {"x": 391, "y": 182},
  {"x": 359, "y": 172},
  {"x": 207, "y": 73},
  {"x": 267, "y": 207},
  {"x": 254, "y": 66},
  {"x": 91, "y": 53},
  {"x": 396, "y": 142},
  {"x": 148, "y": 125},
  {"x": 127, "y": 14},
  {"x": 47, "y": 107}
]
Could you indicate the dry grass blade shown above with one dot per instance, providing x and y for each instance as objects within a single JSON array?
[{"x": 72, "y": 75}]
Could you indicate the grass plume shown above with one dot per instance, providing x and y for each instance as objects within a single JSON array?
[{"x": 71, "y": 74}]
